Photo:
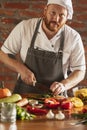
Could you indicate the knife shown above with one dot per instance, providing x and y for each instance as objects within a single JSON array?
[
  {"x": 80, "y": 122},
  {"x": 42, "y": 87}
]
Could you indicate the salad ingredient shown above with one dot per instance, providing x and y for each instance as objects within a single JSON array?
[
  {"x": 39, "y": 105},
  {"x": 22, "y": 102},
  {"x": 77, "y": 102},
  {"x": 79, "y": 115},
  {"x": 12, "y": 98},
  {"x": 82, "y": 94},
  {"x": 66, "y": 104},
  {"x": 60, "y": 115},
  {"x": 33, "y": 102},
  {"x": 84, "y": 110},
  {"x": 22, "y": 114},
  {"x": 51, "y": 100},
  {"x": 51, "y": 103},
  {"x": 50, "y": 114},
  {"x": 4, "y": 92},
  {"x": 36, "y": 111}
]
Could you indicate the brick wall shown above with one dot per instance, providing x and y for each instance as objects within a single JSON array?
[{"x": 13, "y": 11}]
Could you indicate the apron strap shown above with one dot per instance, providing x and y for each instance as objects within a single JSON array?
[
  {"x": 35, "y": 34},
  {"x": 60, "y": 51}
]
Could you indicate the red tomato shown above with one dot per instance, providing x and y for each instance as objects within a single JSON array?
[
  {"x": 51, "y": 103},
  {"x": 66, "y": 105}
]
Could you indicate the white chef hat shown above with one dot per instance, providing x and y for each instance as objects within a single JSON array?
[{"x": 65, "y": 3}]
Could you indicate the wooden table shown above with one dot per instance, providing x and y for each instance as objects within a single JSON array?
[{"x": 42, "y": 124}]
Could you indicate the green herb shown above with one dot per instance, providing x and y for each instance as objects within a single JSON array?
[
  {"x": 22, "y": 114},
  {"x": 80, "y": 115}
]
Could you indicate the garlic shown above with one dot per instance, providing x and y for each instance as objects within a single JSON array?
[
  {"x": 60, "y": 116},
  {"x": 50, "y": 114}
]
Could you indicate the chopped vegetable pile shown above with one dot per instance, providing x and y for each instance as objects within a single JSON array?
[{"x": 22, "y": 114}]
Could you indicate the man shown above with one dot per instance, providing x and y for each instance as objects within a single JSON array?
[{"x": 48, "y": 49}]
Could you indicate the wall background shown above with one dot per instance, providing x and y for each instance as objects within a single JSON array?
[{"x": 13, "y": 11}]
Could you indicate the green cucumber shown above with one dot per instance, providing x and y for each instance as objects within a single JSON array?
[{"x": 11, "y": 99}]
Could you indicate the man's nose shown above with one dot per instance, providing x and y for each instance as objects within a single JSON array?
[{"x": 56, "y": 17}]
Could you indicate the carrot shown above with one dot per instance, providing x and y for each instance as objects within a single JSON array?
[{"x": 22, "y": 102}]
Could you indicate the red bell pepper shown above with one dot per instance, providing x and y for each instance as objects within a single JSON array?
[
  {"x": 66, "y": 104},
  {"x": 84, "y": 110},
  {"x": 51, "y": 103},
  {"x": 36, "y": 111}
]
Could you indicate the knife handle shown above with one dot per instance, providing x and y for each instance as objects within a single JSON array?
[{"x": 34, "y": 82}]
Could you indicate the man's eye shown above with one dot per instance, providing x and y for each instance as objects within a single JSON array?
[
  {"x": 62, "y": 15},
  {"x": 52, "y": 13}
]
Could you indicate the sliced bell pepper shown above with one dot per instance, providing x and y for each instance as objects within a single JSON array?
[
  {"x": 36, "y": 111},
  {"x": 51, "y": 103}
]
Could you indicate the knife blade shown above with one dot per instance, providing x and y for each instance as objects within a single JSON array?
[
  {"x": 79, "y": 122},
  {"x": 42, "y": 87}
]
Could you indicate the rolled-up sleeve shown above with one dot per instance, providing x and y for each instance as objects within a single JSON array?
[
  {"x": 77, "y": 57},
  {"x": 12, "y": 44}
]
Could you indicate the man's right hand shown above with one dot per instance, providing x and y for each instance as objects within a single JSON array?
[{"x": 27, "y": 75}]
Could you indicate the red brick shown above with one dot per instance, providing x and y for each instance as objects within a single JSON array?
[
  {"x": 74, "y": 2},
  {"x": 80, "y": 9},
  {"x": 38, "y": 7},
  {"x": 6, "y": 12},
  {"x": 84, "y": 33},
  {"x": 84, "y": 83},
  {"x": 7, "y": 78},
  {"x": 82, "y": 17},
  {"x": 30, "y": 14},
  {"x": 83, "y": 2},
  {"x": 76, "y": 24},
  {"x": 85, "y": 48},
  {"x": 9, "y": 20},
  {"x": 5, "y": 35},
  {"x": 0, "y": 46},
  {"x": 16, "y": 5}
]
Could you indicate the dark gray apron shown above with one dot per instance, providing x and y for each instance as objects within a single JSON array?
[{"x": 46, "y": 65}]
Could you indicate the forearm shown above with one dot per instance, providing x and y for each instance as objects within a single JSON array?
[
  {"x": 26, "y": 74},
  {"x": 73, "y": 79},
  {"x": 13, "y": 64}
]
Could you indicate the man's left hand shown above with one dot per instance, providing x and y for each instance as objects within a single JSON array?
[{"x": 57, "y": 88}]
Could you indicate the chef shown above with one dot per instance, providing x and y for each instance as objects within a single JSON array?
[{"x": 48, "y": 49}]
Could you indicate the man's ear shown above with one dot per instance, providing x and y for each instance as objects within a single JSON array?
[{"x": 45, "y": 10}]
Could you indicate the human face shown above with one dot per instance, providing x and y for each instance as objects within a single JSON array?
[{"x": 55, "y": 17}]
